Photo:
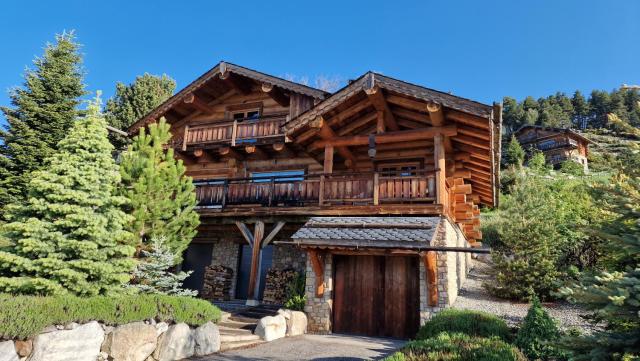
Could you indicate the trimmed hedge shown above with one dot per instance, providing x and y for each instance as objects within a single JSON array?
[
  {"x": 25, "y": 316},
  {"x": 472, "y": 323},
  {"x": 458, "y": 347}
]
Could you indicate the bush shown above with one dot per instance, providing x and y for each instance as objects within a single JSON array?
[
  {"x": 296, "y": 298},
  {"x": 458, "y": 347},
  {"x": 25, "y": 316},
  {"x": 472, "y": 323},
  {"x": 537, "y": 334}
]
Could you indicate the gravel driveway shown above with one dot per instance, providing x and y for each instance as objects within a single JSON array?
[
  {"x": 314, "y": 347},
  {"x": 473, "y": 296}
]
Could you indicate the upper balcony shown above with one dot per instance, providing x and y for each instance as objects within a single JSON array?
[
  {"x": 266, "y": 129},
  {"x": 557, "y": 143},
  {"x": 411, "y": 192}
]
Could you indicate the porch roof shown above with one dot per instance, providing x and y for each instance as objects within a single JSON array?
[{"x": 368, "y": 232}]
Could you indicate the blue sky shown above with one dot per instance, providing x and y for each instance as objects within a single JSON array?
[{"x": 482, "y": 50}]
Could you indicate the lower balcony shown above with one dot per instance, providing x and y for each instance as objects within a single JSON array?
[{"x": 412, "y": 192}]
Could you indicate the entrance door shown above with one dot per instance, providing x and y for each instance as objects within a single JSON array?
[
  {"x": 376, "y": 296},
  {"x": 242, "y": 288}
]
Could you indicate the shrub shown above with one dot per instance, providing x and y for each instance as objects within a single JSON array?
[
  {"x": 472, "y": 323},
  {"x": 458, "y": 347},
  {"x": 537, "y": 334},
  {"x": 296, "y": 298},
  {"x": 25, "y": 316}
]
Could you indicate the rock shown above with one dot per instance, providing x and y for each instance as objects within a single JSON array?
[
  {"x": 103, "y": 356},
  {"x": 296, "y": 322},
  {"x": 8, "y": 351},
  {"x": 80, "y": 344},
  {"x": 161, "y": 328},
  {"x": 24, "y": 348},
  {"x": 271, "y": 327},
  {"x": 107, "y": 329},
  {"x": 49, "y": 329},
  {"x": 152, "y": 321},
  {"x": 131, "y": 342},
  {"x": 175, "y": 344},
  {"x": 207, "y": 339},
  {"x": 60, "y": 327},
  {"x": 71, "y": 326}
]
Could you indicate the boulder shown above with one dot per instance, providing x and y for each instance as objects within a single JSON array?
[
  {"x": 296, "y": 322},
  {"x": 131, "y": 342},
  {"x": 80, "y": 344},
  {"x": 161, "y": 328},
  {"x": 24, "y": 348},
  {"x": 271, "y": 328},
  {"x": 207, "y": 339},
  {"x": 8, "y": 351},
  {"x": 175, "y": 344}
]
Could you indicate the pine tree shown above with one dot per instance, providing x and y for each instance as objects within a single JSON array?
[
  {"x": 613, "y": 296},
  {"x": 162, "y": 198},
  {"x": 580, "y": 110},
  {"x": 538, "y": 333},
  {"x": 43, "y": 111},
  {"x": 515, "y": 153},
  {"x": 152, "y": 274},
  {"x": 537, "y": 162},
  {"x": 132, "y": 102},
  {"x": 69, "y": 235}
]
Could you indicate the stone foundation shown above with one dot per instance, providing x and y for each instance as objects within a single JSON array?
[
  {"x": 319, "y": 309},
  {"x": 287, "y": 256},
  {"x": 226, "y": 253}
]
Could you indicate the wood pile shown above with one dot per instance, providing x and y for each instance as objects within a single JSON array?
[
  {"x": 217, "y": 283},
  {"x": 276, "y": 283}
]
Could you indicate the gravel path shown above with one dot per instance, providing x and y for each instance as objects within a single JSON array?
[
  {"x": 473, "y": 296},
  {"x": 314, "y": 347}
]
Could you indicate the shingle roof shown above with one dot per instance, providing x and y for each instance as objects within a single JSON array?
[{"x": 380, "y": 232}]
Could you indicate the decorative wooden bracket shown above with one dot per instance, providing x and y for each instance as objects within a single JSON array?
[
  {"x": 317, "y": 263},
  {"x": 431, "y": 270}
]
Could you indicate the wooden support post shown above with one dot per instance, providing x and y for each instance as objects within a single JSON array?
[
  {"x": 317, "y": 263},
  {"x": 376, "y": 188},
  {"x": 234, "y": 133},
  {"x": 431, "y": 269},
  {"x": 185, "y": 137},
  {"x": 328, "y": 159},
  {"x": 380, "y": 126},
  {"x": 254, "y": 275},
  {"x": 321, "y": 191},
  {"x": 438, "y": 155}
]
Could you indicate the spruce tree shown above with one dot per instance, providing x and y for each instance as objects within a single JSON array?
[
  {"x": 162, "y": 199},
  {"x": 515, "y": 153},
  {"x": 42, "y": 112},
  {"x": 580, "y": 110},
  {"x": 538, "y": 334},
  {"x": 69, "y": 235},
  {"x": 152, "y": 274},
  {"x": 613, "y": 296},
  {"x": 132, "y": 102}
]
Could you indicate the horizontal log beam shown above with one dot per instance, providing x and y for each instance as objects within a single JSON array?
[
  {"x": 389, "y": 137},
  {"x": 276, "y": 94}
]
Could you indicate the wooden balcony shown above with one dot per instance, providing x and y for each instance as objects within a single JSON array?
[
  {"x": 243, "y": 131},
  {"x": 318, "y": 191}
]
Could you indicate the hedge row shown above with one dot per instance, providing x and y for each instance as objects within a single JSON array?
[
  {"x": 459, "y": 347},
  {"x": 472, "y": 323},
  {"x": 25, "y": 316}
]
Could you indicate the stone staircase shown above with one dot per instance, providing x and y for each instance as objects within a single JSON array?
[{"x": 236, "y": 327}]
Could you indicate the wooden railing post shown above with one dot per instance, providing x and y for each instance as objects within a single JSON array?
[
  {"x": 234, "y": 133},
  {"x": 272, "y": 190},
  {"x": 185, "y": 137},
  {"x": 321, "y": 191},
  {"x": 225, "y": 193},
  {"x": 376, "y": 188}
]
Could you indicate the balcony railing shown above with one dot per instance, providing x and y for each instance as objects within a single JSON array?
[
  {"x": 557, "y": 144},
  {"x": 241, "y": 131},
  {"x": 319, "y": 190}
]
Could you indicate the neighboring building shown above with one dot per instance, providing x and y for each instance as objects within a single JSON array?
[
  {"x": 557, "y": 144},
  {"x": 371, "y": 192}
]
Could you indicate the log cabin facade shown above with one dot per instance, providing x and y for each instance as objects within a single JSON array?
[
  {"x": 557, "y": 144},
  {"x": 371, "y": 193}
]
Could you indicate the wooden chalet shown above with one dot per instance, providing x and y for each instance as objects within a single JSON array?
[
  {"x": 372, "y": 192},
  {"x": 557, "y": 144}
]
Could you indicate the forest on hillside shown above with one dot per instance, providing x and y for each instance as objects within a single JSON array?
[{"x": 576, "y": 111}]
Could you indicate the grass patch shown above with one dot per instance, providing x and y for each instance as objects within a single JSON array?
[
  {"x": 472, "y": 323},
  {"x": 25, "y": 316},
  {"x": 458, "y": 347}
]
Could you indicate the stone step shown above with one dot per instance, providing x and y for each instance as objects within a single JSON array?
[
  {"x": 228, "y": 337},
  {"x": 258, "y": 314},
  {"x": 226, "y": 346},
  {"x": 250, "y": 326},
  {"x": 243, "y": 319},
  {"x": 233, "y": 331}
]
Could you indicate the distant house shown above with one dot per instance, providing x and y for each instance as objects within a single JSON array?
[{"x": 557, "y": 144}]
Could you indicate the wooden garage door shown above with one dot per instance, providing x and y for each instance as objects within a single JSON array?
[{"x": 376, "y": 296}]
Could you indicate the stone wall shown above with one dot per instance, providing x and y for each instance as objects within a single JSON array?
[
  {"x": 226, "y": 253},
  {"x": 287, "y": 256},
  {"x": 319, "y": 309}
]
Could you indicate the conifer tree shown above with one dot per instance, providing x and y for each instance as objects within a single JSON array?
[
  {"x": 162, "y": 198},
  {"x": 42, "y": 112},
  {"x": 69, "y": 235},
  {"x": 538, "y": 334},
  {"x": 613, "y": 297},
  {"x": 152, "y": 274},
  {"x": 132, "y": 102},
  {"x": 515, "y": 153}
]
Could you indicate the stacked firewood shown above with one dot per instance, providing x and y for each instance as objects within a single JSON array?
[
  {"x": 276, "y": 284},
  {"x": 217, "y": 283}
]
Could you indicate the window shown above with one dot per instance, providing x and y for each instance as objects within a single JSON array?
[
  {"x": 279, "y": 176},
  {"x": 246, "y": 115},
  {"x": 399, "y": 169}
]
